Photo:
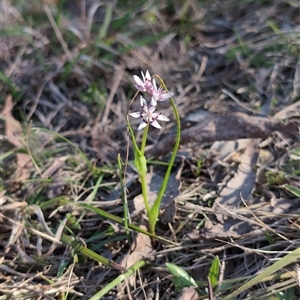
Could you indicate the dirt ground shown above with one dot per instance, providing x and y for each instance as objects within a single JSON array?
[{"x": 231, "y": 208}]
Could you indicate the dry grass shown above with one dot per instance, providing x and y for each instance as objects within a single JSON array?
[{"x": 66, "y": 81}]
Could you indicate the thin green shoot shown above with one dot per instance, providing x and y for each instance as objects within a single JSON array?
[
  {"x": 123, "y": 195},
  {"x": 82, "y": 248},
  {"x": 118, "y": 280},
  {"x": 106, "y": 22},
  {"x": 199, "y": 166}
]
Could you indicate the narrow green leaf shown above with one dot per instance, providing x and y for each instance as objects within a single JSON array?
[
  {"x": 181, "y": 278},
  {"x": 123, "y": 193},
  {"x": 62, "y": 266},
  {"x": 106, "y": 22},
  {"x": 118, "y": 220},
  {"x": 280, "y": 264},
  {"x": 78, "y": 247},
  {"x": 214, "y": 271},
  {"x": 118, "y": 280},
  {"x": 293, "y": 190}
]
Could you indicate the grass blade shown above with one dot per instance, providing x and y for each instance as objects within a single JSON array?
[
  {"x": 118, "y": 280},
  {"x": 290, "y": 258}
]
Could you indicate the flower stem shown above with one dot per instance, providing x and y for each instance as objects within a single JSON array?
[
  {"x": 155, "y": 208},
  {"x": 145, "y": 194},
  {"x": 145, "y": 134},
  {"x": 143, "y": 176},
  {"x": 142, "y": 167}
]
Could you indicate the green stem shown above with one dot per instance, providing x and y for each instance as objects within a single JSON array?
[
  {"x": 143, "y": 176},
  {"x": 135, "y": 146},
  {"x": 145, "y": 194},
  {"x": 145, "y": 134},
  {"x": 155, "y": 208},
  {"x": 141, "y": 163}
]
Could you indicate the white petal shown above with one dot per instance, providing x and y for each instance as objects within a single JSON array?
[
  {"x": 155, "y": 124},
  {"x": 152, "y": 109},
  {"x": 154, "y": 84},
  {"x": 163, "y": 118},
  {"x": 140, "y": 88},
  {"x": 164, "y": 96},
  {"x": 135, "y": 114},
  {"x": 147, "y": 76},
  {"x": 137, "y": 79},
  {"x": 144, "y": 116},
  {"x": 142, "y": 125},
  {"x": 153, "y": 102},
  {"x": 139, "y": 84},
  {"x": 143, "y": 101}
]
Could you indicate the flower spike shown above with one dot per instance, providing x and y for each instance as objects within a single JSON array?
[
  {"x": 159, "y": 94},
  {"x": 146, "y": 85},
  {"x": 148, "y": 115}
]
